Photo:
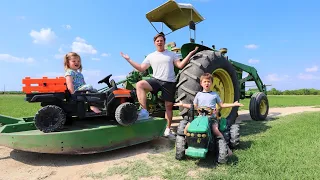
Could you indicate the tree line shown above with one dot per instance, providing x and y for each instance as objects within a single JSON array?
[{"x": 275, "y": 91}]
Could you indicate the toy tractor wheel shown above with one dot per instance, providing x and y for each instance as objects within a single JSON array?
[
  {"x": 234, "y": 136},
  {"x": 126, "y": 114},
  {"x": 259, "y": 106},
  {"x": 180, "y": 147},
  {"x": 222, "y": 151},
  {"x": 50, "y": 118},
  {"x": 225, "y": 81}
]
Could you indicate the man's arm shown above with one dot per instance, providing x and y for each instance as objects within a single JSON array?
[
  {"x": 180, "y": 64},
  {"x": 140, "y": 67}
]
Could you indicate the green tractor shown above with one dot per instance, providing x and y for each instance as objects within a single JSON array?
[
  {"x": 228, "y": 83},
  {"x": 228, "y": 80},
  {"x": 198, "y": 138}
]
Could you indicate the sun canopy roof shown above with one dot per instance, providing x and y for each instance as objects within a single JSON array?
[{"x": 174, "y": 15}]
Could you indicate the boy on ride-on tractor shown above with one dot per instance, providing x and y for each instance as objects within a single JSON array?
[{"x": 208, "y": 98}]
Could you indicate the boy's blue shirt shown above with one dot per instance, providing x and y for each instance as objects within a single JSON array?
[{"x": 208, "y": 99}]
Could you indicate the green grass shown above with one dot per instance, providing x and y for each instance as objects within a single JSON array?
[
  {"x": 285, "y": 148},
  {"x": 287, "y": 101},
  {"x": 16, "y": 106}
]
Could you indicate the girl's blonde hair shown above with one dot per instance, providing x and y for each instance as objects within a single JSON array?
[{"x": 67, "y": 58}]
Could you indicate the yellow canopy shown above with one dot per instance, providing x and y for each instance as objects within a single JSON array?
[{"x": 174, "y": 15}]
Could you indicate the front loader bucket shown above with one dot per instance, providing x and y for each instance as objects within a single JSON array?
[{"x": 82, "y": 137}]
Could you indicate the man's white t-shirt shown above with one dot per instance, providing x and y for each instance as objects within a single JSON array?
[{"x": 162, "y": 65}]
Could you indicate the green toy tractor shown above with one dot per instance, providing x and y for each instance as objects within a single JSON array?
[{"x": 195, "y": 137}]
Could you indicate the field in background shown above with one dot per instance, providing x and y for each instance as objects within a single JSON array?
[{"x": 14, "y": 105}]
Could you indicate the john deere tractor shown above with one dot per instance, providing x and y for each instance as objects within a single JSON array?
[{"x": 228, "y": 80}]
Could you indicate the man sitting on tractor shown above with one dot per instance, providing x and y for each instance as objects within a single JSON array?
[
  {"x": 208, "y": 98},
  {"x": 162, "y": 62}
]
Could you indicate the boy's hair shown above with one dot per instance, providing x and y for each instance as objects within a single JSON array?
[
  {"x": 206, "y": 76},
  {"x": 67, "y": 58},
  {"x": 159, "y": 35}
]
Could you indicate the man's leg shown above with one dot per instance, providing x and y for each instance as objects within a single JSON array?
[
  {"x": 142, "y": 88},
  {"x": 168, "y": 113}
]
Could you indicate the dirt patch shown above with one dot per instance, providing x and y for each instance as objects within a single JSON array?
[{"x": 23, "y": 165}]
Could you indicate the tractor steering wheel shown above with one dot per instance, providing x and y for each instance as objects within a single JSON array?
[
  {"x": 204, "y": 110},
  {"x": 106, "y": 80}
]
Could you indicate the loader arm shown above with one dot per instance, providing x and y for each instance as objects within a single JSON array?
[{"x": 252, "y": 76}]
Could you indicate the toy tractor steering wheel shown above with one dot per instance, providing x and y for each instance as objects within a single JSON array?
[
  {"x": 205, "y": 110},
  {"x": 106, "y": 80}
]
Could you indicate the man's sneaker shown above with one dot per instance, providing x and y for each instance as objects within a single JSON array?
[
  {"x": 143, "y": 114},
  {"x": 167, "y": 133}
]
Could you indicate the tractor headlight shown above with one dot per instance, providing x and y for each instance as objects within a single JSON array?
[
  {"x": 188, "y": 134},
  {"x": 204, "y": 135},
  {"x": 192, "y": 135},
  {"x": 199, "y": 135}
]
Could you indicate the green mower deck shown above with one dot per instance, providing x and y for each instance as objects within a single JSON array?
[{"x": 82, "y": 137}]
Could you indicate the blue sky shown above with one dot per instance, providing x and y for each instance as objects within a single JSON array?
[{"x": 279, "y": 38}]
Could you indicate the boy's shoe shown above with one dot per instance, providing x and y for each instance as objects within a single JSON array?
[
  {"x": 167, "y": 133},
  {"x": 143, "y": 114}
]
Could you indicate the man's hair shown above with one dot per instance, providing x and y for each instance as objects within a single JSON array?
[
  {"x": 159, "y": 35},
  {"x": 206, "y": 76}
]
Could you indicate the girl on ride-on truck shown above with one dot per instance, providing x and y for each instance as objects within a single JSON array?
[{"x": 74, "y": 78}]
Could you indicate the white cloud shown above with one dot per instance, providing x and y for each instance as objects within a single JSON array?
[
  {"x": 275, "y": 77},
  {"x": 96, "y": 59},
  {"x": 308, "y": 76},
  {"x": 251, "y": 46},
  {"x": 13, "y": 59},
  {"x": 253, "y": 61},
  {"x": 105, "y": 54},
  {"x": 67, "y": 26},
  {"x": 44, "y": 36},
  {"x": 61, "y": 53},
  {"x": 21, "y": 17},
  {"x": 80, "y": 46},
  {"x": 312, "y": 69}
]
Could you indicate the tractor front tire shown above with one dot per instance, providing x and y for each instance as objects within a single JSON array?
[
  {"x": 222, "y": 151},
  {"x": 234, "y": 136},
  {"x": 180, "y": 147},
  {"x": 50, "y": 118},
  {"x": 259, "y": 106},
  {"x": 126, "y": 114},
  {"x": 224, "y": 76}
]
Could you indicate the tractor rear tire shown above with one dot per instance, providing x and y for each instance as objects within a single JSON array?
[
  {"x": 225, "y": 81},
  {"x": 126, "y": 114},
  {"x": 234, "y": 136},
  {"x": 180, "y": 147},
  {"x": 259, "y": 106},
  {"x": 50, "y": 118}
]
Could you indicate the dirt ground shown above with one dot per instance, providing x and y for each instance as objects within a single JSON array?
[{"x": 16, "y": 165}]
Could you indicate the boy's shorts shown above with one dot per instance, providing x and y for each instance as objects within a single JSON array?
[{"x": 168, "y": 89}]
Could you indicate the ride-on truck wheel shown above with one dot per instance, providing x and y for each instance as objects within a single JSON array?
[
  {"x": 50, "y": 118},
  {"x": 259, "y": 106},
  {"x": 126, "y": 114}
]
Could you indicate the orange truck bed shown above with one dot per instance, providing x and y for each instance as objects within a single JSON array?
[{"x": 44, "y": 85}]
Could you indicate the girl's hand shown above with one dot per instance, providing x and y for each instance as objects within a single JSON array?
[{"x": 125, "y": 56}]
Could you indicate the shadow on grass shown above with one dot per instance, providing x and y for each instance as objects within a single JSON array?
[{"x": 251, "y": 127}]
